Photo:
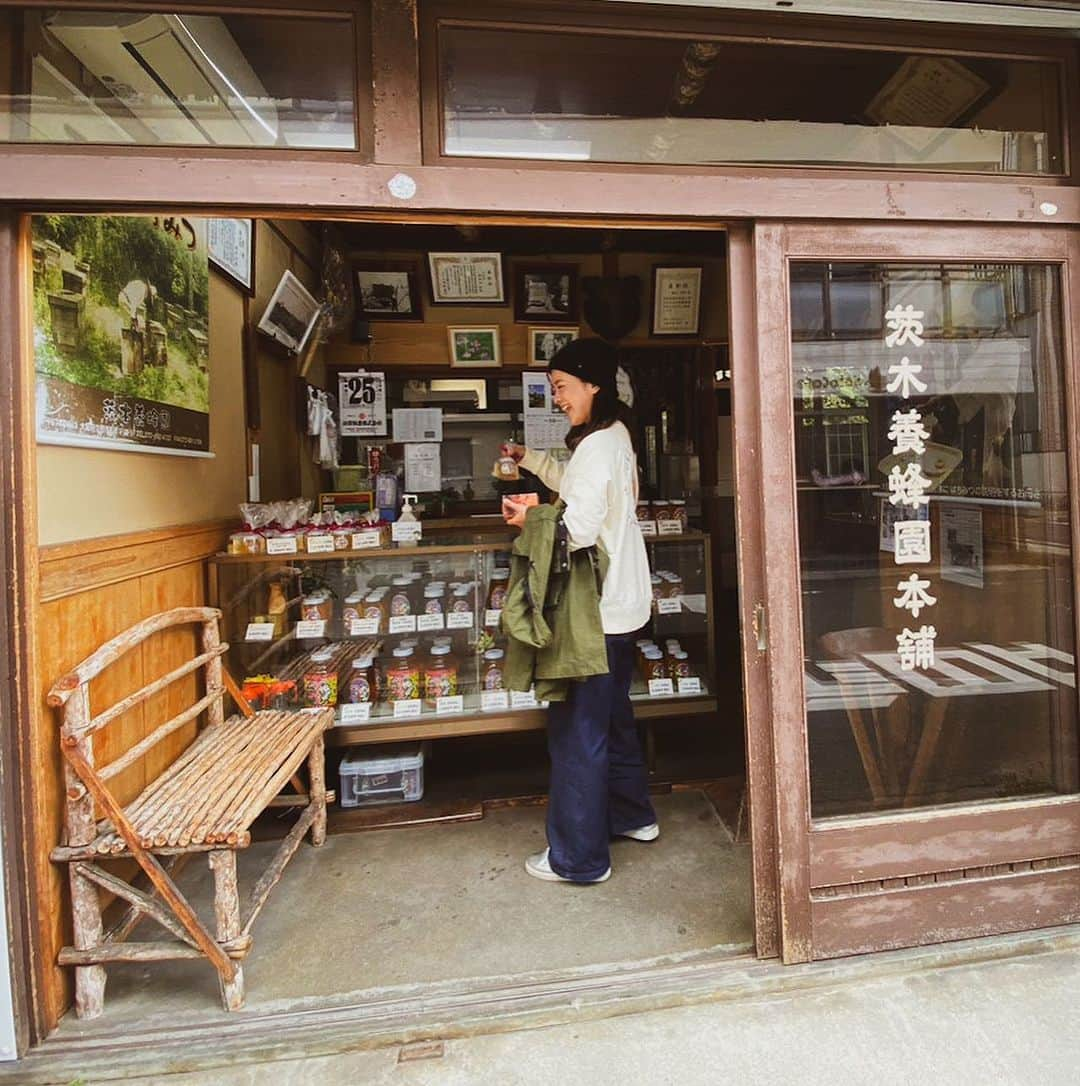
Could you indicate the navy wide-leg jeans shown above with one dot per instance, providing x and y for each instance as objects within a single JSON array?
[{"x": 599, "y": 784}]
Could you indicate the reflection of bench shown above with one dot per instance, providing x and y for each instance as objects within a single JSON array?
[
  {"x": 204, "y": 801},
  {"x": 897, "y": 743}
]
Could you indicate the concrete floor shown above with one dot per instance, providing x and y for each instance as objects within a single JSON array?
[
  {"x": 370, "y": 911},
  {"x": 1010, "y": 1021}
]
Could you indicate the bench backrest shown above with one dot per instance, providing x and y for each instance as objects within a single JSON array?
[{"x": 71, "y": 693}]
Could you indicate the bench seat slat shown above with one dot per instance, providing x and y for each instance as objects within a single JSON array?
[{"x": 219, "y": 785}]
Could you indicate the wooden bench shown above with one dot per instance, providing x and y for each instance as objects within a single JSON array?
[{"x": 204, "y": 801}]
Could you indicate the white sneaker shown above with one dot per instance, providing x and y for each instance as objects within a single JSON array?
[
  {"x": 642, "y": 833},
  {"x": 539, "y": 866}
]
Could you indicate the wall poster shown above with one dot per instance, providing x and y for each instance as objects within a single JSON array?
[{"x": 121, "y": 332}]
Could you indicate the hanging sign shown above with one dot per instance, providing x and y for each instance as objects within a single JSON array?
[{"x": 362, "y": 397}]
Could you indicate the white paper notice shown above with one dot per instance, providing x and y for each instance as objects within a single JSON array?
[
  {"x": 493, "y": 700},
  {"x": 452, "y": 703},
  {"x": 320, "y": 544},
  {"x": 366, "y": 540},
  {"x": 418, "y": 424},
  {"x": 402, "y": 624},
  {"x": 430, "y": 622},
  {"x": 259, "y": 631},
  {"x": 522, "y": 699},
  {"x": 311, "y": 627},
  {"x": 459, "y": 620},
  {"x": 407, "y": 531},
  {"x": 281, "y": 545},
  {"x": 961, "y": 545},
  {"x": 363, "y": 627},
  {"x": 659, "y": 688},
  {"x": 423, "y": 468},
  {"x": 410, "y": 708},
  {"x": 690, "y": 686},
  {"x": 545, "y": 425},
  {"x": 362, "y": 397},
  {"x": 672, "y": 606}
]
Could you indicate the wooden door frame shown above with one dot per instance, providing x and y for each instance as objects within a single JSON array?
[{"x": 849, "y": 854}]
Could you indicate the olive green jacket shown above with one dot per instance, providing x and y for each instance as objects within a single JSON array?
[{"x": 551, "y": 617}]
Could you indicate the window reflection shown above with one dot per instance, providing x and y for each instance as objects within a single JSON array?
[
  {"x": 607, "y": 98},
  {"x": 181, "y": 79},
  {"x": 934, "y": 533}
]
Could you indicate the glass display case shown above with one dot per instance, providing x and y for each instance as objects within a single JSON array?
[{"x": 404, "y": 641}]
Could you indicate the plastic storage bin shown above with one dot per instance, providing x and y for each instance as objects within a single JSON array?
[{"x": 382, "y": 775}]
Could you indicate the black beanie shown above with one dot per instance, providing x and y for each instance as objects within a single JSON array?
[{"x": 594, "y": 361}]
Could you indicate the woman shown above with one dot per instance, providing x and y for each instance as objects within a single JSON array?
[{"x": 599, "y": 785}]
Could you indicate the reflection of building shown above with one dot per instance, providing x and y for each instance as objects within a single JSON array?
[{"x": 285, "y": 319}]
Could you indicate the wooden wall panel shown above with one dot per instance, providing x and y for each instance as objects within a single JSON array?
[{"x": 91, "y": 591}]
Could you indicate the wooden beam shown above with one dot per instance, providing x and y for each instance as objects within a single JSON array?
[
  {"x": 139, "y": 900},
  {"x": 396, "y": 64}
]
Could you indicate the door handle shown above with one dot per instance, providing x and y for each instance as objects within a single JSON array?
[{"x": 760, "y": 625}]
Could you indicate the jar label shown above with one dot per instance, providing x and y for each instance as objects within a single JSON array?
[
  {"x": 440, "y": 684},
  {"x": 320, "y": 690},
  {"x": 356, "y": 713},
  {"x": 359, "y": 689},
  {"x": 498, "y": 598},
  {"x": 403, "y": 685},
  {"x": 315, "y": 627},
  {"x": 430, "y": 622},
  {"x": 400, "y": 604},
  {"x": 350, "y": 614}
]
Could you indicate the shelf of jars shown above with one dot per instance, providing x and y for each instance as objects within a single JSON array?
[{"x": 404, "y": 643}]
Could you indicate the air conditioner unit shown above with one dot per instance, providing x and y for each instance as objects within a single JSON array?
[{"x": 182, "y": 76}]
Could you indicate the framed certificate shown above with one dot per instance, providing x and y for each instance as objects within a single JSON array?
[
  {"x": 231, "y": 244},
  {"x": 676, "y": 307}
]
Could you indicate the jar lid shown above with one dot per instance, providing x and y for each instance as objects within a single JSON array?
[
  {"x": 414, "y": 575},
  {"x": 680, "y": 655},
  {"x": 433, "y": 591},
  {"x": 462, "y": 591},
  {"x": 661, "y": 501},
  {"x": 354, "y": 597},
  {"x": 493, "y": 654},
  {"x": 321, "y": 656},
  {"x": 678, "y": 501},
  {"x": 314, "y": 599},
  {"x": 641, "y": 642},
  {"x": 440, "y": 650},
  {"x": 363, "y": 662},
  {"x": 402, "y": 651},
  {"x": 400, "y": 582},
  {"x": 653, "y": 654},
  {"x": 373, "y": 597}
]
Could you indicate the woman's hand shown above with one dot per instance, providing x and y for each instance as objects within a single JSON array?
[
  {"x": 514, "y": 512},
  {"x": 508, "y": 448}
]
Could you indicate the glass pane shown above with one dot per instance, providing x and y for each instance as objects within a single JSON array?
[
  {"x": 146, "y": 78},
  {"x": 544, "y": 94},
  {"x": 935, "y": 548}
]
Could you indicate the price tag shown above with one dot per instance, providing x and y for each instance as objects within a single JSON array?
[
  {"x": 259, "y": 631},
  {"x": 403, "y": 624},
  {"x": 690, "y": 686},
  {"x": 430, "y": 622},
  {"x": 672, "y": 606},
  {"x": 362, "y": 541},
  {"x": 659, "y": 688},
  {"x": 669, "y": 527},
  {"x": 491, "y": 700},
  {"x": 459, "y": 620},
  {"x": 409, "y": 531},
  {"x": 311, "y": 627},
  {"x": 522, "y": 699},
  {"x": 491, "y": 618},
  {"x": 320, "y": 544},
  {"x": 360, "y": 713},
  {"x": 281, "y": 545},
  {"x": 410, "y": 708},
  {"x": 648, "y": 527},
  {"x": 454, "y": 703},
  {"x": 363, "y": 627}
]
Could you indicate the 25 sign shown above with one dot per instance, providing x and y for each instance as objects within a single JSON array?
[{"x": 362, "y": 397}]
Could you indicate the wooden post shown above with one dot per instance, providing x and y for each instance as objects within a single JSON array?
[
  {"x": 211, "y": 640},
  {"x": 81, "y": 830},
  {"x": 227, "y": 913},
  {"x": 317, "y": 791}
]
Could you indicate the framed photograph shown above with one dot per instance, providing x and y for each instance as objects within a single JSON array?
[
  {"x": 474, "y": 347},
  {"x": 545, "y": 292},
  {"x": 231, "y": 247},
  {"x": 676, "y": 309},
  {"x": 386, "y": 292},
  {"x": 545, "y": 342},
  {"x": 466, "y": 279},
  {"x": 291, "y": 313}
]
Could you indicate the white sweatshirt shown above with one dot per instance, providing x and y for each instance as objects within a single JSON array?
[{"x": 599, "y": 486}]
